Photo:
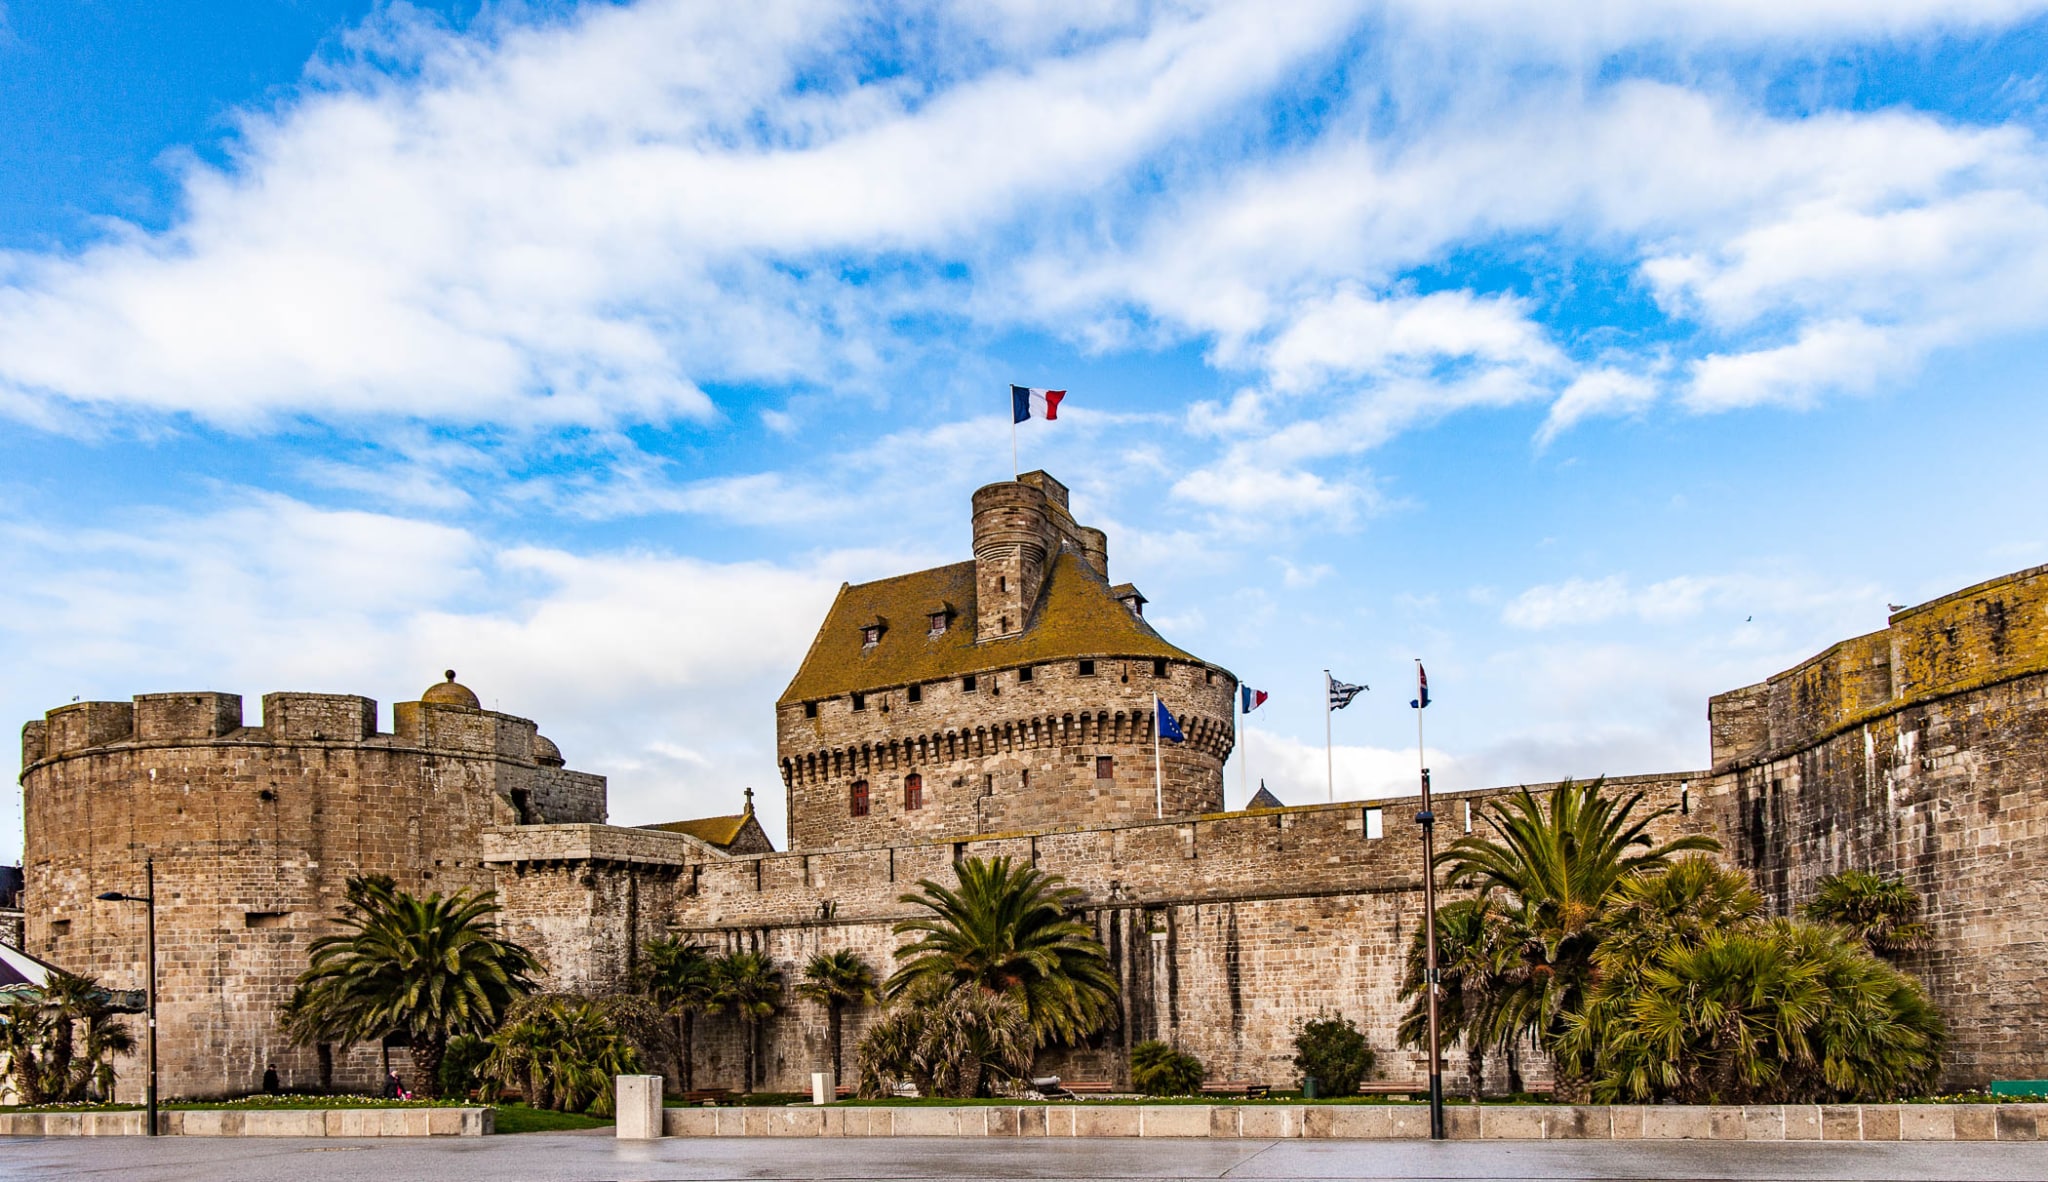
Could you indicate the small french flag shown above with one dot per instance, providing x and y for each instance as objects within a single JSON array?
[
  {"x": 1253, "y": 699},
  {"x": 1029, "y": 403}
]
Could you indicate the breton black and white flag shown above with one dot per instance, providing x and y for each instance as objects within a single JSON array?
[{"x": 1341, "y": 692}]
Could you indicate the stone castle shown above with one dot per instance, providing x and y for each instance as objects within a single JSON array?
[{"x": 1004, "y": 706}]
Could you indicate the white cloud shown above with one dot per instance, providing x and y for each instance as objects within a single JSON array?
[
  {"x": 1582, "y": 602},
  {"x": 656, "y": 669},
  {"x": 1596, "y": 392}
]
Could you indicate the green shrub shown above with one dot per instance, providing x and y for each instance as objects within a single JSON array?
[
  {"x": 1334, "y": 1052},
  {"x": 459, "y": 1064},
  {"x": 1159, "y": 1070}
]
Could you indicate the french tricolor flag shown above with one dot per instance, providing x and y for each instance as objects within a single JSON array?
[{"x": 1027, "y": 403}]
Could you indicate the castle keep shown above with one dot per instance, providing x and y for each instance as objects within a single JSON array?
[{"x": 1003, "y": 706}]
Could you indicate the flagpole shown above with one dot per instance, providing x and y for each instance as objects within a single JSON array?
[
  {"x": 1015, "y": 468},
  {"x": 1158, "y": 777},
  {"x": 1329, "y": 761},
  {"x": 1427, "y": 817}
]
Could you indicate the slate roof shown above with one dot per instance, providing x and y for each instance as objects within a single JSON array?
[
  {"x": 1077, "y": 616},
  {"x": 1263, "y": 799}
]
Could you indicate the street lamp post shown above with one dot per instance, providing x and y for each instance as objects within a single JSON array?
[{"x": 149, "y": 994}]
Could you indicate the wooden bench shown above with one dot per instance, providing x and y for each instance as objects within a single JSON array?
[
  {"x": 1088, "y": 1087},
  {"x": 1382, "y": 1088},
  {"x": 1235, "y": 1087},
  {"x": 706, "y": 1095}
]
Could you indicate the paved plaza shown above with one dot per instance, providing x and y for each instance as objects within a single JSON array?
[{"x": 600, "y": 1158}]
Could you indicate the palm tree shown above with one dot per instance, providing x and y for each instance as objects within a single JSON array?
[
  {"x": 1010, "y": 929},
  {"x": 947, "y": 1040},
  {"x": 837, "y": 980},
  {"x": 60, "y": 1040},
  {"x": 677, "y": 974},
  {"x": 1560, "y": 862},
  {"x": 564, "y": 1050},
  {"x": 432, "y": 968},
  {"x": 748, "y": 985},
  {"x": 1482, "y": 981},
  {"x": 1883, "y": 913}
]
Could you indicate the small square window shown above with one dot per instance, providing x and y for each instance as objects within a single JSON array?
[
  {"x": 1105, "y": 767},
  {"x": 810, "y": 709},
  {"x": 1159, "y": 668},
  {"x": 938, "y": 623},
  {"x": 860, "y": 701},
  {"x": 967, "y": 684},
  {"x": 870, "y": 635},
  {"x": 1374, "y": 828},
  {"x": 1087, "y": 669},
  {"x": 914, "y": 694},
  {"x": 60, "y": 927},
  {"x": 1024, "y": 674}
]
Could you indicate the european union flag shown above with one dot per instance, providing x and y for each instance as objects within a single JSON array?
[{"x": 1168, "y": 728}]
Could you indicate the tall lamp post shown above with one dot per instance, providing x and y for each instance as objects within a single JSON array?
[{"x": 149, "y": 996}]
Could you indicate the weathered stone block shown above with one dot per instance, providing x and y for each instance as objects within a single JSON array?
[
  {"x": 1104, "y": 1121},
  {"x": 1975, "y": 1122},
  {"x": 1270, "y": 1122},
  {"x": 1763, "y": 1123},
  {"x": 2016, "y": 1122},
  {"x": 1841, "y": 1122},
  {"x": 1673, "y": 1123},
  {"x": 1510, "y": 1123},
  {"x": 1880, "y": 1122},
  {"x": 1926, "y": 1122},
  {"x": 1173, "y": 1120}
]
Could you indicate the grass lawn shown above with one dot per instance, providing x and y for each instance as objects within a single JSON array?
[{"x": 518, "y": 1118}]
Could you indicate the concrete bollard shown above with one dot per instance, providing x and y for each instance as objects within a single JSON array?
[
  {"x": 639, "y": 1107},
  {"x": 824, "y": 1088}
]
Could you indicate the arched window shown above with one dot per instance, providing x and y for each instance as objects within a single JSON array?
[
  {"x": 913, "y": 792},
  {"x": 857, "y": 799}
]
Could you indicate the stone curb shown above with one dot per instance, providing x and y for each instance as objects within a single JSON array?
[
  {"x": 257, "y": 1122},
  {"x": 1382, "y": 1122}
]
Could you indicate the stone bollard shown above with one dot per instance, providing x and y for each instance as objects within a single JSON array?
[
  {"x": 824, "y": 1088},
  {"x": 639, "y": 1108}
]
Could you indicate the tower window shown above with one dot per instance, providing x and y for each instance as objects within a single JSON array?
[
  {"x": 1002, "y": 584},
  {"x": 1004, "y": 626},
  {"x": 1087, "y": 669},
  {"x": 810, "y": 709},
  {"x": 967, "y": 684},
  {"x": 913, "y": 792},
  {"x": 938, "y": 623},
  {"x": 1024, "y": 781},
  {"x": 1024, "y": 674},
  {"x": 857, "y": 799},
  {"x": 1105, "y": 767},
  {"x": 870, "y": 635},
  {"x": 914, "y": 694},
  {"x": 860, "y": 701},
  {"x": 1159, "y": 668}
]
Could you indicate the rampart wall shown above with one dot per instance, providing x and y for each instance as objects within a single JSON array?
[{"x": 1226, "y": 929}]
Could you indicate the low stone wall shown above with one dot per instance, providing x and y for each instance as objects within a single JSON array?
[
  {"x": 256, "y": 1122},
  {"x": 1369, "y": 1122}
]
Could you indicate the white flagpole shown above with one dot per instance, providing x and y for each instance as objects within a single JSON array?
[
  {"x": 1014, "y": 467},
  {"x": 1329, "y": 761},
  {"x": 1158, "y": 777}
]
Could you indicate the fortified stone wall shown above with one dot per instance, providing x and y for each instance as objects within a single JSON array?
[
  {"x": 254, "y": 832},
  {"x": 1920, "y": 751},
  {"x": 1009, "y": 753},
  {"x": 1226, "y": 930}
]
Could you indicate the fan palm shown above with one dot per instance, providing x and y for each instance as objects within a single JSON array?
[
  {"x": 564, "y": 1050},
  {"x": 947, "y": 1040},
  {"x": 431, "y": 968},
  {"x": 1883, "y": 913},
  {"x": 677, "y": 975},
  {"x": 837, "y": 980},
  {"x": 1560, "y": 862},
  {"x": 60, "y": 1040},
  {"x": 1010, "y": 929},
  {"x": 748, "y": 985}
]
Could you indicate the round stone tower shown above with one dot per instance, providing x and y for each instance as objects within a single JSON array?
[
  {"x": 1014, "y": 691},
  {"x": 255, "y": 831}
]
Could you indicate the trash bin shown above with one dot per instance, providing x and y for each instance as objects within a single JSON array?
[{"x": 1309, "y": 1090}]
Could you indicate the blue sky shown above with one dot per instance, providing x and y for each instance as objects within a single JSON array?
[{"x": 1606, "y": 357}]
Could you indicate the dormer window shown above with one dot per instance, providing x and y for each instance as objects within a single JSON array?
[
  {"x": 871, "y": 635},
  {"x": 938, "y": 623}
]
